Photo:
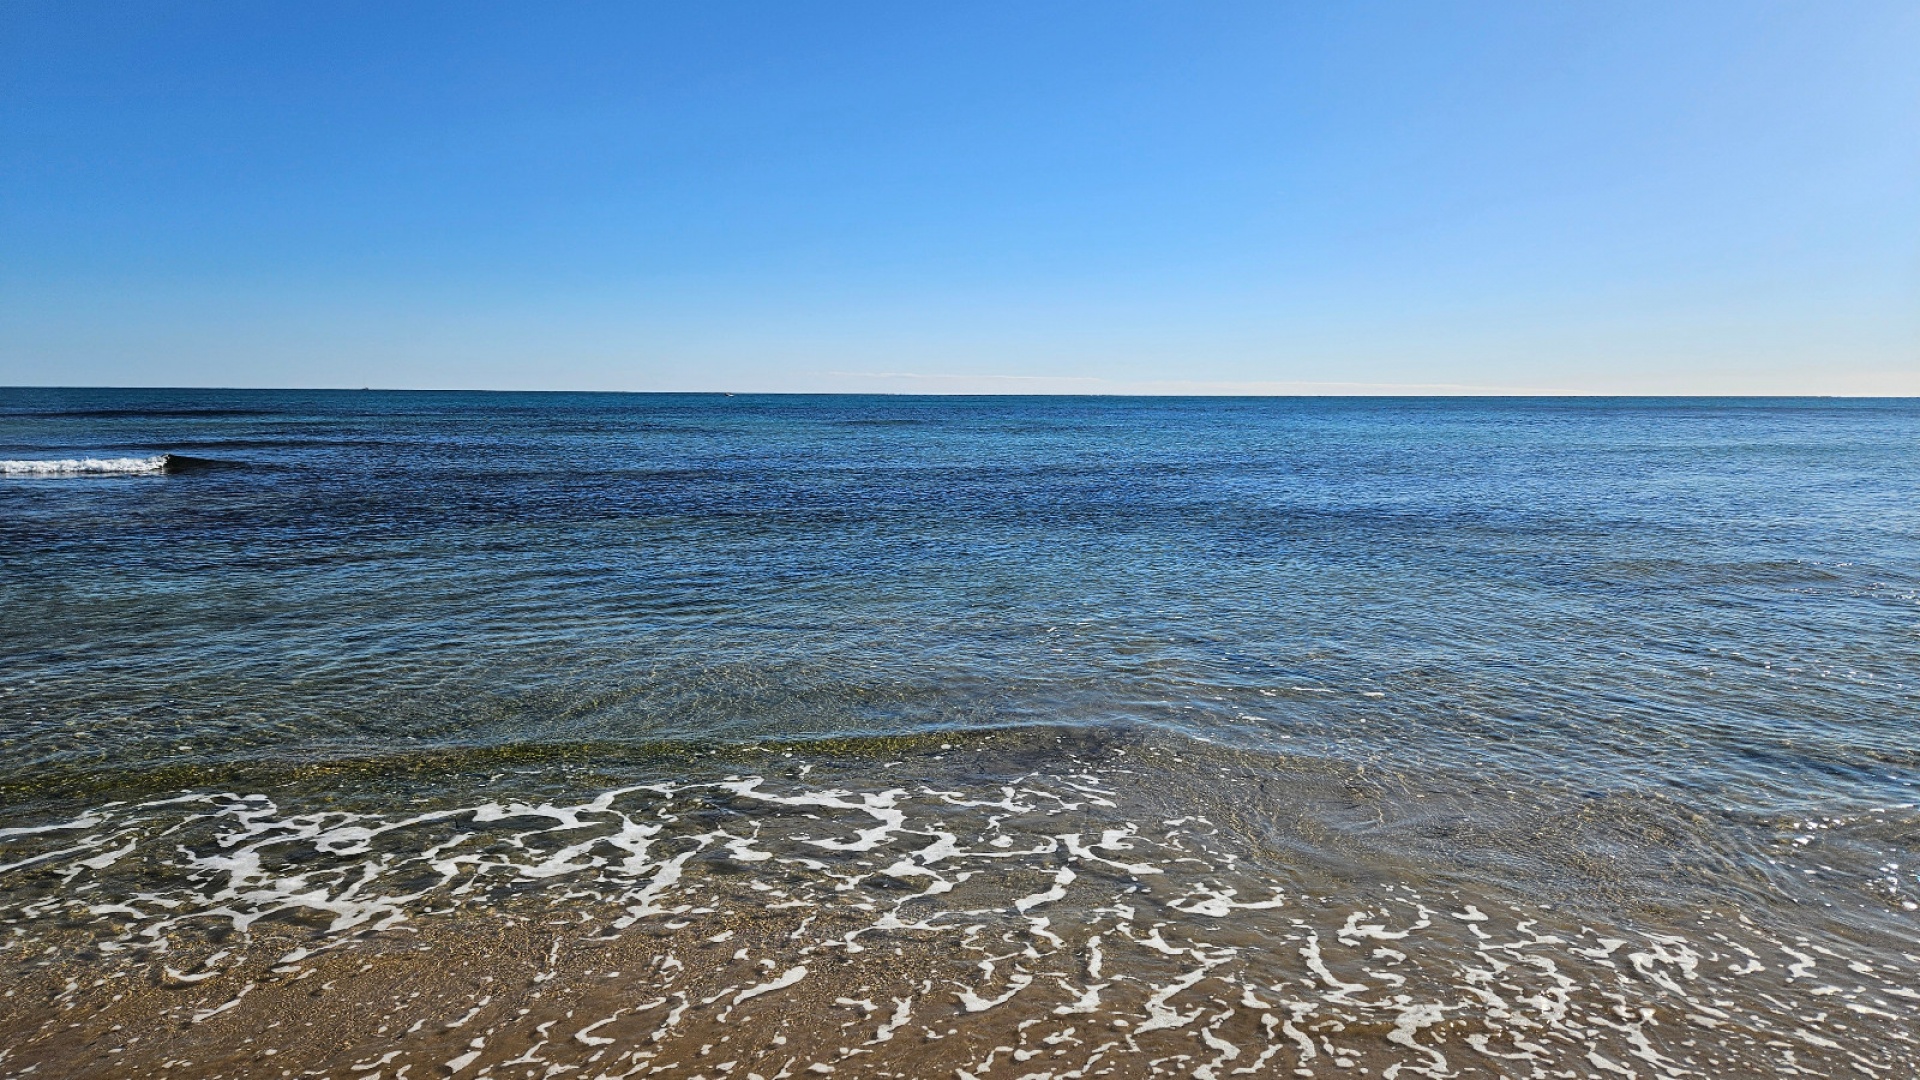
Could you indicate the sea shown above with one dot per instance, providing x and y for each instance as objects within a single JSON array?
[{"x": 403, "y": 735}]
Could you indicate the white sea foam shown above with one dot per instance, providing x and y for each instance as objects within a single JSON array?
[
  {"x": 1190, "y": 946},
  {"x": 120, "y": 466}
]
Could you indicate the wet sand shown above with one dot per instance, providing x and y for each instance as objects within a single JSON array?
[{"x": 1060, "y": 922}]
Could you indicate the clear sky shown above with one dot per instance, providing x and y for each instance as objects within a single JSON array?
[{"x": 1615, "y": 196}]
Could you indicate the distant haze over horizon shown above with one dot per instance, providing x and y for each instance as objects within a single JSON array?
[
  {"x": 1329, "y": 394},
  {"x": 1720, "y": 198}
]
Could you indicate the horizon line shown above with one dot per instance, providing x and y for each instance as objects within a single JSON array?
[{"x": 1470, "y": 392}]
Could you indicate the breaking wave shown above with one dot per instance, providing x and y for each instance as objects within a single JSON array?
[{"x": 114, "y": 466}]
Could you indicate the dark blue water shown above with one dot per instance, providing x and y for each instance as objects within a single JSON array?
[
  {"x": 1673, "y": 594},
  {"x": 1636, "y": 649}
]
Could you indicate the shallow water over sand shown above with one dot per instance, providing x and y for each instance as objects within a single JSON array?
[{"x": 940, "y": 913}]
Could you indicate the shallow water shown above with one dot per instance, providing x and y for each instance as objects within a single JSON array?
[{"x": 989, "y": 737}]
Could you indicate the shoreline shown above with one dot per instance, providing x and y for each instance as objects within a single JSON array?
[{"x": 1054, "y": 922}]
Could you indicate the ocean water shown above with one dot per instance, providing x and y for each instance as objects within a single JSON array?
[{"x": 369, "y": 734}]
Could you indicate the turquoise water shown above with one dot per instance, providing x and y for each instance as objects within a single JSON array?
[{"x": 1636, "y": 657}]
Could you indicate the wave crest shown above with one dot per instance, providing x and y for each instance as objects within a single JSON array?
[{"x": 119, "y": 466}]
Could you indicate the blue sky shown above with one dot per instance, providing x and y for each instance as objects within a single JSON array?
[{"x": 1106, "y": 197}]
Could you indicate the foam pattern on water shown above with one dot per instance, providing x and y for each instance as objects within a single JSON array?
[
  {"x": 1044, "y": 927},
  {"x": 118, "y": 466}
]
